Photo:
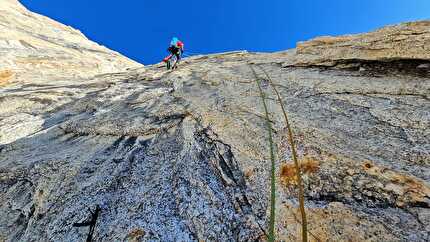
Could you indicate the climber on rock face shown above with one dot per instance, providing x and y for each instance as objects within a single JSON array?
[{"x": 176, "y": 48}]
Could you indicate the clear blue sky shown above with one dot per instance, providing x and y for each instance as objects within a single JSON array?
[{"x": 142, "y": 29}]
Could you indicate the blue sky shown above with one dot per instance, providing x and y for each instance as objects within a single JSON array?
[{"x": 142, "y": 29}]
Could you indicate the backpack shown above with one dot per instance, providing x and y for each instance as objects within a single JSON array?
[{"x": 174, "y": 42}]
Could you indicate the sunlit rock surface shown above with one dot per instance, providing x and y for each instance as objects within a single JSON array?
[
  {"x": 183, "y": 155},
  {"x": 36, "y": 49},
  {"x": 408, "y": 41}
]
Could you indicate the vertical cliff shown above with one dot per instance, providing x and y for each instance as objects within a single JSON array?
[{"x": 183, "y": 155}]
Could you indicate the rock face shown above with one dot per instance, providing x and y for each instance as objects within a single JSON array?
[
  {"x": 409, "y": 41},
  {"x": 183, "y": 155},
  {"x": 34, "y": 49},
  {"x": 37, "y": 51}
]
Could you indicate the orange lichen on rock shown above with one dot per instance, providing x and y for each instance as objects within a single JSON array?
[
  {"x": 5, "y": 76},
  {"x": 409, "y": 190},
  {"x": 249, "y": 172},
  {"x": 308, "y": 165},
  {"x": 367, "y": 165},
  {"x": 135, "y": 234}
]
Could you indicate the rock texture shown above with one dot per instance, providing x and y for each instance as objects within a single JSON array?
[
  {"x": 409, "y": 41},
  {"x": 183, "y": 155},
  {"x": 37, "y": 51},
  {"x": 34, "y": 49}
]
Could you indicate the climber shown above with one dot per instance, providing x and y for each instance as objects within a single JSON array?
[{"x": 176, "y": 48}]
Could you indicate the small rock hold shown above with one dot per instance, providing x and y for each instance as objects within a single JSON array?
[
  {"x": 397, "y": 189},
  {"x": 424, "y": 66},
  {"x": 350, "y": 172},
  {"x": 424, "y": 216}
]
